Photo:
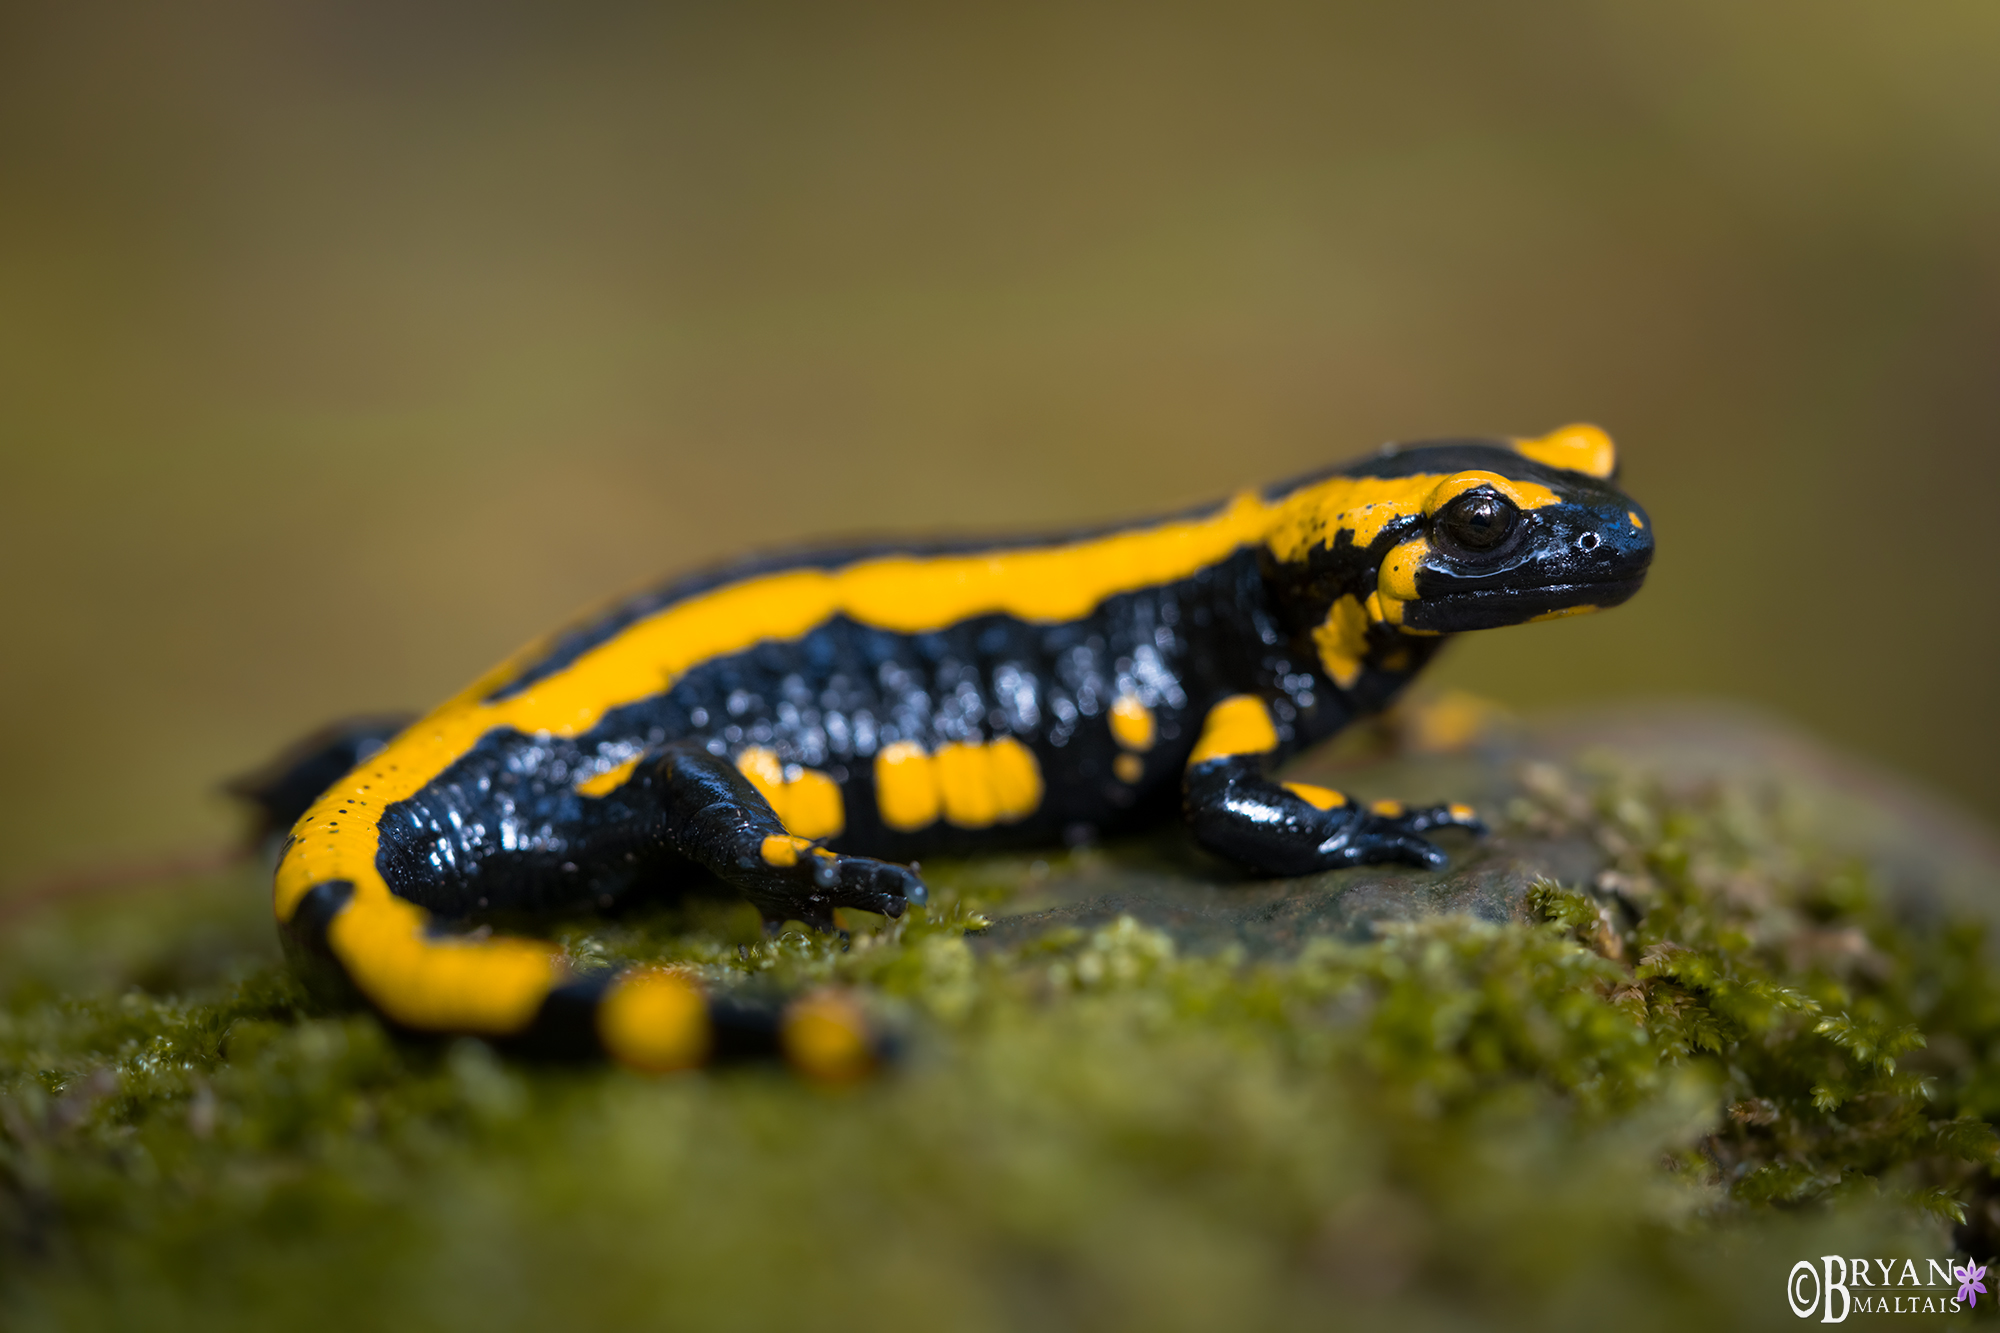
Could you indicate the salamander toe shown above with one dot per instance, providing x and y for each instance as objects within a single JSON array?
[{"x": 871, "y": 885}]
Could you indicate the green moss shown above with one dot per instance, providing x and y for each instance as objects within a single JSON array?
[{"x": 1724, "y": 1054}]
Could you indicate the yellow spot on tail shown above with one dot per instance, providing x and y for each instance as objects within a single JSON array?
[
  {"x": 805, "y": 800},
  {"x": 1386, "y": 809},
  {"x": 654, "y": 1020},
  {"x": 1128, "y": 767},
  {"x": 1342, "y": 641},
  {"x": 1132, "y": 723},
  {"x": 1578, "y": 448},
  {"x": 779, "y": 850},
  {"x": 970, "y": 784},
  {"x": 1240, "y": 724},
  {"x": 825, "y": 1037},
  {"x": 1320, "y": 798},
  {"x": 610, "y": 780}
]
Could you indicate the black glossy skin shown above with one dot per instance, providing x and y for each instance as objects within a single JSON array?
[
  {"x": 503, "y": 828},
  {"x": 831, "y": 700}
]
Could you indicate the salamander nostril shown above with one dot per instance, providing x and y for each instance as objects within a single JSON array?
[{"x": 1589, "y": 541}]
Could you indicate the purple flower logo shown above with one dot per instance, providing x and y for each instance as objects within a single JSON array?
[{"x": 1970, "y": 1280}]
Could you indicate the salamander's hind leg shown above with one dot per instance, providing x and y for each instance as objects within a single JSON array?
[
  {"x": 1293, "y": 828},
  {"x": 715, "y": 817}
]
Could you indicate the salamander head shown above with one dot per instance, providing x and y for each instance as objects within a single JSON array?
[{"x": 1459, "y": 535}]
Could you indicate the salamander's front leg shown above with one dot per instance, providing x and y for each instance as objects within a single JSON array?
[
  {"x": 1294, "y": 828},
  {"x": 716, "y": 818}
]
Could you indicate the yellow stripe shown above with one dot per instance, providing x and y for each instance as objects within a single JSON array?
[
  {"x": 489, "y": 986},
  {"x": 500, "y": 982}
]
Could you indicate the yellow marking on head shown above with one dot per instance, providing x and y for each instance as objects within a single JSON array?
[
  {"x": 970, "y": 784},
  {"x": 1524, "y": 494},
  {"x": 784, "y": 850},
  {"x": 1386, "y": 809},
  {"x": 1637, "y": 522},
  {"x": 1578, "y": 448},
  {"x": 1462, "y": 811},
  {"x": 1240, "y": 724},
  {"x": 1563, "y": 613},
  {"x": 610, "y": 780},
  {"x": 1398, "y": 580},
  {"x": 1128, "y": 768},
  {"x": 1342, "y": 641},
  {"x": 654, "y": 1020},
  {"x": 825, "y": 1037},
  {"x": 807, "y": 802},
  {"x": 491, "y": 986},
  {"x": 1132, "y": 723},
  {"x": 1320, "y": 798},
  {"x": 1362, "y": 506}
]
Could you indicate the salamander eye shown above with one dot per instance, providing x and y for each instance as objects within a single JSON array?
[{"x": 1476, "y": 523}]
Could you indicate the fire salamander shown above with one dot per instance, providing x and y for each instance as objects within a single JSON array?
[{"x": 805, "y": 727}]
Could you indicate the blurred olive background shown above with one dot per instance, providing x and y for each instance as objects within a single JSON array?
[{"x": 345, "y": 346}]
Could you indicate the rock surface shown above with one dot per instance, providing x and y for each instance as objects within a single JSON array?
[{"x": 1931, "y": 856}]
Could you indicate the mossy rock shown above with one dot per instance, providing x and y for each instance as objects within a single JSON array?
[
  {"x": 1927, "y": 857},
  {"x": 1708, "y": 1001}
]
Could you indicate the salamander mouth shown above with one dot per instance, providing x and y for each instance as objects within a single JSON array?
[{"x": 1492, "y": 608}]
